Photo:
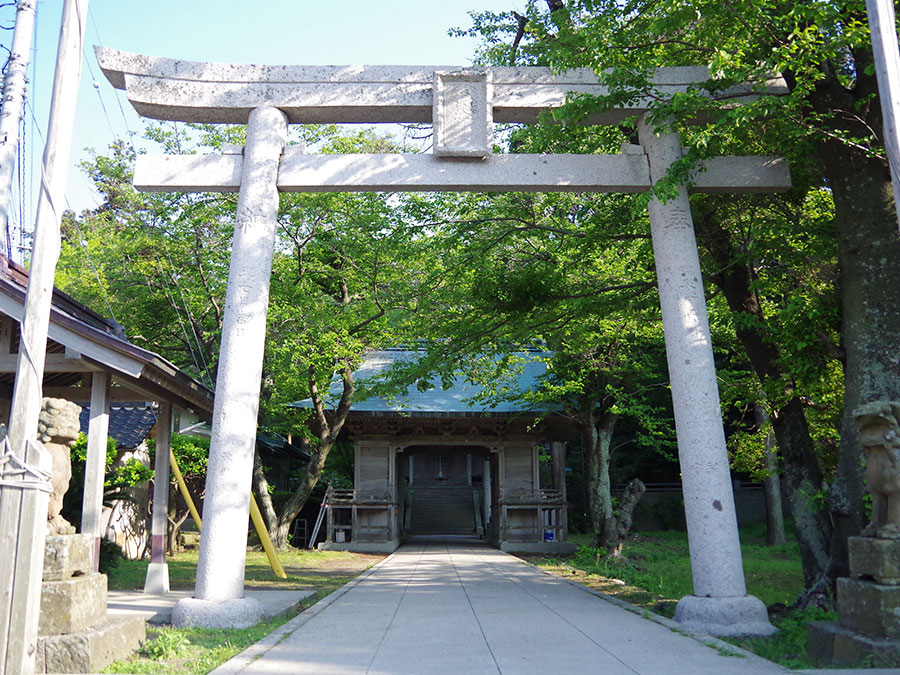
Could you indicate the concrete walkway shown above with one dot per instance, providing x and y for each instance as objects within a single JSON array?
[{"x": 458, "y": 606}]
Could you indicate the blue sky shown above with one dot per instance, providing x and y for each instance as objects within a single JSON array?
[{"x": 386, "y": 32}]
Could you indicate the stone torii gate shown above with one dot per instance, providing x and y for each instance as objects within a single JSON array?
[{"x": 462, "y": 104}]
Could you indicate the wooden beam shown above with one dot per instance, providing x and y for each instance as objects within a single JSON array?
[
  {"x": 72, "y": 340},
  {"x": 300, "y": 172},
  {"x": 118, "y": 394},
  {"x": 55, "y": 363}
]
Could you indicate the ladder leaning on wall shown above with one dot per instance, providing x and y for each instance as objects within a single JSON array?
[{"x": 311, "y": 544}]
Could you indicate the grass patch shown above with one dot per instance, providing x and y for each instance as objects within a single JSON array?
[
  {"x": 200, "y": 650},
  {"x": 305, "y": 569},
  {"x": 655, "y": 572},
  {"x": 191, "y": 650},
  {"x": 788, "y": 645}
]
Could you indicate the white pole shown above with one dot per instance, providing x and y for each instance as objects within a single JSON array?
[
  {"x": 883, "y": 27},
  {"x": 26, "y": 402},
  {"x": 157, "y": 580},
  {"x": 95, "y": 462},
  {"x": 720, "y": 604},
  {"x": 14, "y": 104},
  {"x": 219, "y": 600}
]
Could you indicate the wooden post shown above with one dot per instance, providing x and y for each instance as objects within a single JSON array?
[
  {"x": 157, "y": 580},
  {"x": 14, "y": 104},
  {"x": 883, "y": 27},
  {"x": 558, "y": 467},
  {"x": 22, "y": 520},
  {"x": 24, "y": 494},
  {"x": 95, "y": 464}
]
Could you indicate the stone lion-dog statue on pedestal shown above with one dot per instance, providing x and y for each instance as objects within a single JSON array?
[{"x": 879, "y": 434}]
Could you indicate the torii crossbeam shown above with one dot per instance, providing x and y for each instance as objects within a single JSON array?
[{"x": 462, "y": 104}]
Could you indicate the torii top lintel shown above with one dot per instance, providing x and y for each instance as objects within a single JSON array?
[
  {"x": 222, "y": 93},
  {"x": 462, "y": 104}
]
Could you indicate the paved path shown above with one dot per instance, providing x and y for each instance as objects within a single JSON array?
[{"x": 461, "y": 607}]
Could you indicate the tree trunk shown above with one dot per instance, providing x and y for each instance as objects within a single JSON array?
[
  {"x": 328, "y": 433},
  {"x": 598, "y": 431},
  {"x": 261, "y": 487},
  {"x": 771, "y": 483},
  {"x": 801, "y": 468},
  {"x": 630, "y": 498},
  {"x": 173, "y": 531},
  {"x": 869, "y": 255},
  {"x": 772, "y": 489}
]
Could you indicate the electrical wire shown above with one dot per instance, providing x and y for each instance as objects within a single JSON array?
[
  {"x": 187, "y": 311},
  {"x": 116, "y": 94}
]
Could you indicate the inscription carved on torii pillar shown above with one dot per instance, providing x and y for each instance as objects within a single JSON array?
[{"x": 462, "y": 104}]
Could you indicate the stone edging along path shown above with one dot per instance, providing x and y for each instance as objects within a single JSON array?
[
  {"x": 238, "y": 663},
  {"x": 703, "y": 638}
]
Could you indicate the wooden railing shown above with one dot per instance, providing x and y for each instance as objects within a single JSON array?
[
  {"x": 548, "y": 515},
  {"x": 356, "y": 502}
]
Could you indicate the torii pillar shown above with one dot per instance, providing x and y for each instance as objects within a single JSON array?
[
  {"x": 462, "y": 105},
  {"x": 720, "y": 604},
  {"x": 219, "y": 593}
]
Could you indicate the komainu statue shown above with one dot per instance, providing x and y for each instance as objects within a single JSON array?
[
  {"x": 879, "y": 434},
  {"x": 58, "y": 427}
]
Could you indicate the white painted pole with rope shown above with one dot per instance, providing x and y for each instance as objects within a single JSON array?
[
  {"x": 883, "y": 27},
  {"x": 14, "y": 84},
  {"x": 26, "y": 402}
]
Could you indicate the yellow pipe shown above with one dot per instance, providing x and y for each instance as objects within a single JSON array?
[
  {"x": 264, "y": 539},
  {"x": 184, "y": 490},
  {"x": 254, "y": 514}
]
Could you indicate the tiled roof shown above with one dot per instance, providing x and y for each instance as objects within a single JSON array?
[
  {"x": 455, "y": 399},
  {"x": 129, "y": 423}
]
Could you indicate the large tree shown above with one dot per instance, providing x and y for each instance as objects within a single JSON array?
[{"x": 827, "y": 122}]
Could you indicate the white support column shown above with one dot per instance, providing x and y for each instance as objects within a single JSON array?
[
  {"x": 218, "y": 600},
  {"x": 157, "y": 581},
  {"x": 720, "y": 604},
  {"x": 95, "y": 464}
]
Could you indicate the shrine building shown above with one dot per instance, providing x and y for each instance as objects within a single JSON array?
[{"x": 437, "y": 462}]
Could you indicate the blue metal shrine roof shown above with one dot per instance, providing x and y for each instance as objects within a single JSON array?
[
  {"x": 457, "y": 398},
  {"x": 129, "y": 423}
]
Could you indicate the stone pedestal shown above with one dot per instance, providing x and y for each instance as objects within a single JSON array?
[
  {"x": 868, "y": 626},
  {"x": 75, "y": 634}
]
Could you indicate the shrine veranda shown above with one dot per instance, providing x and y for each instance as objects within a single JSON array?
[{"x": 461, "y": 104}]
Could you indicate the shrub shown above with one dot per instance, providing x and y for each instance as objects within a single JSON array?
[
  {"x": 669, "y": 511},
  {"x": 110, "y": 556}
]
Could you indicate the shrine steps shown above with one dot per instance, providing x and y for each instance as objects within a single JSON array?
[{"x": 442, "y": 510}]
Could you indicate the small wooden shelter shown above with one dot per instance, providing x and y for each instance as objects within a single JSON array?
[
  {"x": 90, "y": 360},
  {"x": 436, "y": 462}
]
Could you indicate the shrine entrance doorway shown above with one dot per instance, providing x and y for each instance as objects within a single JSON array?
[{"x": 442, "y": 489}]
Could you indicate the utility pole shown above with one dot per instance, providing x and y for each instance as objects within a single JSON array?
[
  {"x": 883, "y": 27},
  {"x": 14, "y": 106},
  {"x": 22, "y": 552}
]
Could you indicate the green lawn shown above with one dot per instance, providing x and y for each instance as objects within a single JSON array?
[
  {"x": 656, "y": 571},
  {"x": 195, "y": 650}
]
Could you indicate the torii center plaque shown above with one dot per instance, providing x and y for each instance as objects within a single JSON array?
[{"x": 462, "y": 104}]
